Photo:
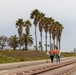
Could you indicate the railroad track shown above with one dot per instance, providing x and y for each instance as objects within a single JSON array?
[{"x": 42, "y": 69}]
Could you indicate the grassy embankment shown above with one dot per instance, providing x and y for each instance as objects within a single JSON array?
[{"x": 8, "y": 56}]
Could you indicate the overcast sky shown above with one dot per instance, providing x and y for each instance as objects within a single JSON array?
[{"x": 63, "y": 11}]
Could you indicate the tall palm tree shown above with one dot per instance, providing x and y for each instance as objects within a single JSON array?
[
  {"x": 57, "y": 29},
  {"x": 19, "y": 24},
  {"x": 50, "y": 20},
  {"x": 46, "y": 28},
  {"x": 41, "y": 25},
  {"x": 59, "y": 33},
  {"x": 27, "y": 24},
  {"x": 13, "y": 42},
  {"x": 35, "y": 15},
  {"x": 54, "y": 34}
]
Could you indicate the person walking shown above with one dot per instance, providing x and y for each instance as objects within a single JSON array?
[
  {"x": 57, "y": 52},
  {"x": 52, "y": 52}
]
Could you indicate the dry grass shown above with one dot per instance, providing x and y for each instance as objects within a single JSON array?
[{"x": 8, "y": 56}]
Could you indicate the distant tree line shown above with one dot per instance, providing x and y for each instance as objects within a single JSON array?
[
  {"x": 14, "y": 41},
  {"x": 54, "y": 28}
]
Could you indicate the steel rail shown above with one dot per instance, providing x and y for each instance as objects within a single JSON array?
[{"x": 50, "y": 67}]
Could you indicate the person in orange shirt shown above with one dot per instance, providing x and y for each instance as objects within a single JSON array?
[
  {"x": 57, "y": 52},
  {"x": 52, "y": 52}
]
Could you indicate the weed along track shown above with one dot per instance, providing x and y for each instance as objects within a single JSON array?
[{"x": 66, "y": 67}]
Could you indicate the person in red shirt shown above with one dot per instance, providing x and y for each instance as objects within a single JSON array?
[
  {"x": 57, "y": 52},
  {"x": 52, "y": 52}
]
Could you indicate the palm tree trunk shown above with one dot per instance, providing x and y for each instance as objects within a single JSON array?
[
  {"x": 46, "y": 41},
  {"x": 59, "y": 44},
  {"x": 27, "y": 42},
  {"x": 25, "y": 45},
  {"x": 20, "y": 43},
  {"x": 41, "y": 40},
  {"x": 14, "y": 48},
  {"x": 36, "y": 37},
  {"x": 54, "y": 43},
  {"x": 2, "y": 47},
  {"x": 50, "y": 41}
]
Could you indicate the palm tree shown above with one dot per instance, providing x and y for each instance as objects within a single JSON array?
[
  {"x": 46, "y": 28},
  {"x": 57, "y": 29},
  {"x": 54, "y": 34},
  {"x": 13, "y": 42},
  {"x": 20, "y": 24},
  {"x": 27, "y": 24},
  {"x": 24, "y": 39},
  {"x": 30, "y": 41},
  {"x": 35, "y": 15},
  {"x": 41, "y": 25},
  {"x": 59, "y": 33},
  {"x": 50, "y": 29}
]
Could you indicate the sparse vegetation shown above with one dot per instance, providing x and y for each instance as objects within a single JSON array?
[
  {"x": 9, "y": 56},
  {"x": 68, "y": 54}
]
